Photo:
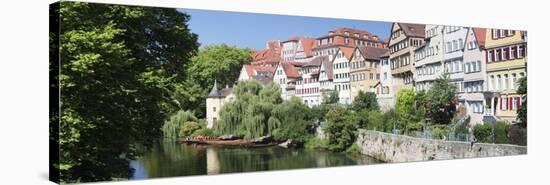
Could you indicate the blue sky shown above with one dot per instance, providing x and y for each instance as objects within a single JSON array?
[{"x": 253, "y": 30}]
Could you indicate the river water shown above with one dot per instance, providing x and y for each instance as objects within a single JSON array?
[{"x": 170, "y": 159}]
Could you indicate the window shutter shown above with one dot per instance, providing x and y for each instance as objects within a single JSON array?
[
  {"x": 500, "y": 103},
  {"x": 518, "y": 102}
]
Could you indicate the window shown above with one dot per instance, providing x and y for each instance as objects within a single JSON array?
[
  {"x": 506, "y": 82},
  {"x": 514, "y": 81},
  {"x": 214, "y": 109},
  {"x": 493, "y": 85},
  {"x": 499, "y": 85}
]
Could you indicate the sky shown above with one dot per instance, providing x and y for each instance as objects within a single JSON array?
[{"x": 252, "y": 30}]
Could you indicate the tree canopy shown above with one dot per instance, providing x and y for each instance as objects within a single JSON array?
[
  {"x": 522, "y": 111},
  {"x": 365, "y": 101},
  {"x": 441, "y": 100},
  {"x": 116, "y": 66}
]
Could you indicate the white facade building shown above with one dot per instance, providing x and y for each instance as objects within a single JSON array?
[
  {"x": 428, "y": 58},
  {"x": 475, "y": 75},
  {"x": 341, "y": 75},
  {"x": 454, "y": 38},
  {"x": 386, "y": 96}
]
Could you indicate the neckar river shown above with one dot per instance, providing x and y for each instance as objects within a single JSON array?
[{"x": 170, "y": 159}]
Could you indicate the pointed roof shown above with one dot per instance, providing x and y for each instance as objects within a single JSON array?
[
  {"x": 348, "y": 52},
  {"x": 413, "y": 30},
  {"x": 307, "y": 44},
  {"x": 214, "y": 92},
  {"x": 480, "y": 34}
]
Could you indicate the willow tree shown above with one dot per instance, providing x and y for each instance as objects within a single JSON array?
[
  {"x": 177, "y": 123},
  {"x": 249, "y": 113}
]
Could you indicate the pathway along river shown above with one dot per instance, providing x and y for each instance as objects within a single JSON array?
[{"x": 170, "y": 159}]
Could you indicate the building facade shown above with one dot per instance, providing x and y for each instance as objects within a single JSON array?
[
  {"x": 429, "y": 58},
  {"x": 474, "y": 75},
  {"x": 214, "y": 103},
  {"x": 506, "y": 55},
  {"x": 404, "y": 40},
  {"x": 341, "y": 74},
  {"x": 345, "y": 37},
  {"x": 365, "y": 69}
]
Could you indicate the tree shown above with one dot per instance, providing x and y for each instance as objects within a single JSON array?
[
  {"x": 340, "y": 129},
  {"x": 116, "y": 66},
  {"x": 365, "y": 101},
  {"x": 213, "y": 62},
  {"x": 522, "y": 111},
  {"x": 441, "y": 98},
  {"x": 406, "y": 109},
  {"x": 330, "y": 96},
  {"x": 182, "y": 123},
  {"x": 292, "y": 120}
]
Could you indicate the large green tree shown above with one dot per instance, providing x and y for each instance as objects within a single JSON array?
[
  {"x": 341, "y": 129},
  {"x": 441, "y": 100},
  {"x": 365, "y": 101},
  {"x": 213, "y": 62},
  {"x": 117, "y": 64}
]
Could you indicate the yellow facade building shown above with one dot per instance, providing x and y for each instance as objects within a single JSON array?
[
  {"x": 365, "y": 69},
  {"x": 506, "y": 56}
]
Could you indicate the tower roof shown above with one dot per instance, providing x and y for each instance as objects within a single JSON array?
[{"x": 214, "y": 92}]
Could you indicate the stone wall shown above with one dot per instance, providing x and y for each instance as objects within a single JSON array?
[{"x": 398, "y": 148}]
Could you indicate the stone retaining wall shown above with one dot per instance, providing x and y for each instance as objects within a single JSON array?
[{"x": 399, "y": 148}]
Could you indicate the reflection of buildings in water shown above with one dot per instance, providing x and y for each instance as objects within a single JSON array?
[{"x": 212, "y": 162}]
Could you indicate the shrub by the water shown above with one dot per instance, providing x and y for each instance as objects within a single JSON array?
[{"x": 483, "y": 133}]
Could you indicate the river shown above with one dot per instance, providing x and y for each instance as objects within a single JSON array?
[{"x": 170, "y": 159}]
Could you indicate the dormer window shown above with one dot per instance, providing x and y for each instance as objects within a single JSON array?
[{"x": 346, "y": 33}]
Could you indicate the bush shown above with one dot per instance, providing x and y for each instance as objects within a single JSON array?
[
  {"x": 203, "y": 132},
  {"x": 317, "y": 144},
  {"x": 501, "y": 132},
  {"x": 440, "y": 131},
  {"x": 517, "y": 135},
  {"x": 354, "y": 149},
  {"x": 174, "y": 126},
  {"x": 483, "y": 133},
  {"x": 340, "y": 129},
  {"x": 189, "y": 128}
]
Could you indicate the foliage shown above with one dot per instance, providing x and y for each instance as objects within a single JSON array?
[
  {"x": 258, "y": 111},
  {"x": 213, "y": 62},
  {"x": 365, "y": 101},
  {"x": 439, "y": 131},
  {"x": 203, "y": 132},
  {"x": 389, "y": 118},
  {"x": 317, "y": 144},
  {"x": 292, "y": 120},
  {"x": 407, "y": 110},
  {"x": 370, "y": 120},
  {"x": 354, "y": 149},
  {"x": 501, "y": 132},
  {"x": 117, "y": 64},
  {"x": 340, "y": 129},
  {"x": 330, "y": 96},
  {"x": 522, "y": 111},
  {"x": 440, "y": 99},
  {"x": 182, "y": 123},
  {"x": 517, "y": 135},
  {"x": 483, "y": 133}
]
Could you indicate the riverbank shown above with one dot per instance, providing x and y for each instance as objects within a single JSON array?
[
  {"x": 399, "y": 148},
  {"x": 236, "y": 142}
]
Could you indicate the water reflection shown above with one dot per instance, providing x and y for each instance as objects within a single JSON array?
[{"x": 168, "y": 159}]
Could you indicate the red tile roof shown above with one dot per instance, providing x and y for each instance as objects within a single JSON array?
[
  {"x": 480, "y": 34},
  {"x": 338, "y": 38},
  {"x": 270, "y": 54},
  {"x": 307, "y": 44},
  {"x": 348, "y": 52},
  {"x": 290, "y": 70},
  {"x": 413, "y": 30},
  {"x": 372, "y": 52}
]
